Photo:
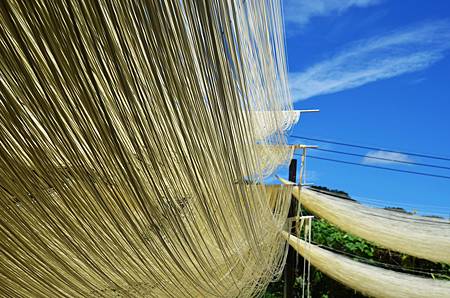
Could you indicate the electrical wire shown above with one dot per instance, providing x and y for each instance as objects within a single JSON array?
[
  {"x": 385, "y": 159},
  {"x": 330, "y": 194},
  {"x": 379, "y": 167},
  {"x": 372, "y": 148},
  {"x": 382, "y": 264},
  {"x": 383, "y": 203}
]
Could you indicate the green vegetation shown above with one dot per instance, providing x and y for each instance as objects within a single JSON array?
[{"x": 330, "y": 237}]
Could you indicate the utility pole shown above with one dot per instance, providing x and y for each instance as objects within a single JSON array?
[{"x": 290, "y": 267}]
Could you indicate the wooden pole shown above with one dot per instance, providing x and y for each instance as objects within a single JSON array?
[{"x": 290, "y": 267}]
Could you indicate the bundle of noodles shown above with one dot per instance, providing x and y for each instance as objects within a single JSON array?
[
  {"x": 124, "y": 139},
  {"x": 423, "y": 237},
  {"x": 268, "y": 123},
  {"x": 369, "y": 280}
]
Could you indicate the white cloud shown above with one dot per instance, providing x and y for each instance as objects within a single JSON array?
[
  {"x": 301, "y": 11},
  {"x": 385, "y": 157},
  {"x": 370, "y": 60}
]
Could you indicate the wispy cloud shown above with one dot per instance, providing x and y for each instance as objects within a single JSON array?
[
  {"x": 370, "y": 60},
  {"x": 417, "y": 81},
  {"x": 300, "y": 12},
  {"x": 383, "y": 157}
]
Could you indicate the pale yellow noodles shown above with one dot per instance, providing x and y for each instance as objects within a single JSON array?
[
  {"x": 367, "y": 279},
  {"x": 126, "y": 147},
  {"x": 423, "y": 237}
]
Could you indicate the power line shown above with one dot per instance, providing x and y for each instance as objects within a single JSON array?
[
  {"x": 386, "y": 159},
  {"x": 330, "y": 194},
  {"x": 366, "y": 199},
  {"x": 383, "y": 264},
  {"x": 384, "y": 203},
  {"x": 400, "y": 216},
  {"x": 377, "y": 167},
  {"x": 371, "y": 148}
]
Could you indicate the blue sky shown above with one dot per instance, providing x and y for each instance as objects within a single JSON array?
[{"x": 379, "y": 71}]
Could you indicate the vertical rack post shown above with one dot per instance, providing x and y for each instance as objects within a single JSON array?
[
  {"x": 289, "y": 269},
  {"x": 300, "y": 260},
  {"x": 302, "y": 167}
]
